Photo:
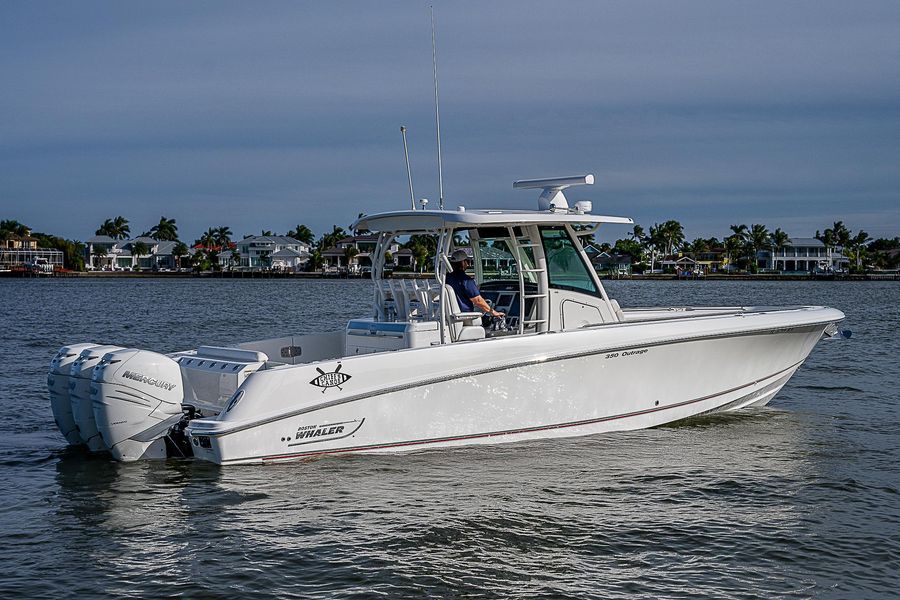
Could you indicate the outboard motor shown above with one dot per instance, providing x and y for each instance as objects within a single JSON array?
[
  {"x": 136, "y": 397},
  {"x": 80, "y": 395},
  {"x": 58, "y": 385}
]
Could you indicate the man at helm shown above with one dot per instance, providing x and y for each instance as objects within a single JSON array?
[{"x": 467, "y": 293}]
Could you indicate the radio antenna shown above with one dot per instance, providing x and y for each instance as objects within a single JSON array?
[
  {"x": 412, "y": 195},
  {"x": 437, "y": 116}
]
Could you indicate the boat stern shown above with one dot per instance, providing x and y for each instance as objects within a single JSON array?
[{"x": 206, "y": 441}]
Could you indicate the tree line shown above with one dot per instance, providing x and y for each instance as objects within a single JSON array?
[
  {"x": 214, "y": 241},
  {"x": 645, "y": 247},
  {"x": 667, "y": 240}
]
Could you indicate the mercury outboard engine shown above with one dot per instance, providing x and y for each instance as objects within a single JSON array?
[
  {"x": 136, "y": 397},
  {"x": 58, "y": 385},
  {"x": 80, "y": 395}
]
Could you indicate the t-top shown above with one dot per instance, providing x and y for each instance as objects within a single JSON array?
[{"x": 465, "y": 289}]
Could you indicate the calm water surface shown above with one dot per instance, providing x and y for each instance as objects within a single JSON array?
[{"x": 798, "y": 499}]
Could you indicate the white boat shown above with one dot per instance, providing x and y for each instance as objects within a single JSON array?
[{"x": 416, "y": 373}]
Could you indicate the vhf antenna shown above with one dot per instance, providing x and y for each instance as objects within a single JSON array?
[
  {"x": 437, "y": 117},
  {"x": 412, "y": 195}
]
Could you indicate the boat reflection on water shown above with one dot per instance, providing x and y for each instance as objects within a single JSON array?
[{"x": 584, "y": 514}]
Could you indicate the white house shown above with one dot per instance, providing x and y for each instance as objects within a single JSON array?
[
  {"x": 288, "y": 259},
  {"x": 105, "y": 253},
  {"x": 98, "y": 252},
  {"x": 805, "y": 254},
  {"x": 259, "y": 251}
]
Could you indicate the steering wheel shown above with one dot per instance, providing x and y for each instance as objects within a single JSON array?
[{"x": 503, "y": 295}]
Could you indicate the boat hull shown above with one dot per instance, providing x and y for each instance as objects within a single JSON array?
[{"x": 629, "y": 376}]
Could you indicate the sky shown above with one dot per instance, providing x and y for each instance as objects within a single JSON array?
[{"x": 268, "y": 115}]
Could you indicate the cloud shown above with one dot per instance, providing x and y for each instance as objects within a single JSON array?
[{"x": 707, "y": 112}]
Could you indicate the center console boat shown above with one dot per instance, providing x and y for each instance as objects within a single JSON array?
[{"x": 417, "y": 372}]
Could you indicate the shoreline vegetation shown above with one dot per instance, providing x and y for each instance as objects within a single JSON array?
[
  {"x": 299, "y": 275},
  {"x": 660, "y": 253}
]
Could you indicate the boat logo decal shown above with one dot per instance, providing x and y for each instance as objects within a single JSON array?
[
  {"x": 329, "y": 380},
  {"x": 309, "y": 434},
  {"x": 135, "y": 376}
]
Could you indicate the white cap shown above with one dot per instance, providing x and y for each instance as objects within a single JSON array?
[{"x": 459, "y": 256}]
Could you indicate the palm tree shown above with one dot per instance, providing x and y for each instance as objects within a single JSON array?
[
  {"x": 165, "y": 230},
  {"x": 302, "y": 233},
  {"x": 733, "y": 246},
  {"x": 757, "y": 239},
  {"x": 207, "y": 246},
  {"x": 656, "y": 241},
  {"x": 827, "y": 238},
  {"x": 778, "y": 240},
  {"x": 841, "y": 233},
  {"x": 208, "y": 239},
  {"x": 115, "y": 228},
  {"x": 330, "y": 239},
  {"x": 698, "y": 247},
  {"x": 629, "y": 247},
  {"x": 222, "y": 236},
  {"x": 742, "y": 234},
  {"x": 98, "y": 252},
  {"x": 858, "y": 247},
  {"x": 106, "y": 228},
  {"x": 179, "y": 250},
  {"x": 13, "y": 227},
  {"x": 315, "y": 259},
  {"x": 673, "y": 233},
  {"x": 139, "y": 249},
  {"x": 120, "y": 228},
  {"x": 637, "y": 234},
  {"x": 739, "y": 230},
  {"x": 349, "y": 253},
  {"x": 235, "y": 258}
]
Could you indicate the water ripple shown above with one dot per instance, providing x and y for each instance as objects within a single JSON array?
[{"x": 798, "y": 499}]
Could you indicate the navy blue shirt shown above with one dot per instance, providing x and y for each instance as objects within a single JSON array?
[{"x": 465, "y": 289}]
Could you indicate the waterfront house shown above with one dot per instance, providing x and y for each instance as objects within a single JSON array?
[
  {"x": 339, "y": 258},
  {"x": 104, "y": 253},
  {"x": 18, "y": 251},
  {"x": 98, "y": 253},
  {"x": 288, "y": 259},
  {"x": 805, "y": 255},
  {"x": 403, "y": 258},
  {"x": 617, "y": 265},
  {"x": 20, "y": 242},
  {"x": 495, "y": 260},
  {"x": 711, "y": 261},
  {"x": 683, "y": 266},
  {"x": 258, "y": 251}
]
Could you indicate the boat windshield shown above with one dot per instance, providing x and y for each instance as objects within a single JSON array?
[
  {"x": 495, "y": 256},
  {"x": 566, "y": 269}
]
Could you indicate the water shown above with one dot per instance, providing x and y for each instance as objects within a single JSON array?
[{"x": 798, "y": 499}]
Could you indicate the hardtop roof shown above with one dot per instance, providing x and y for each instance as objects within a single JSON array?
[{"x": 419, "y": 220}]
